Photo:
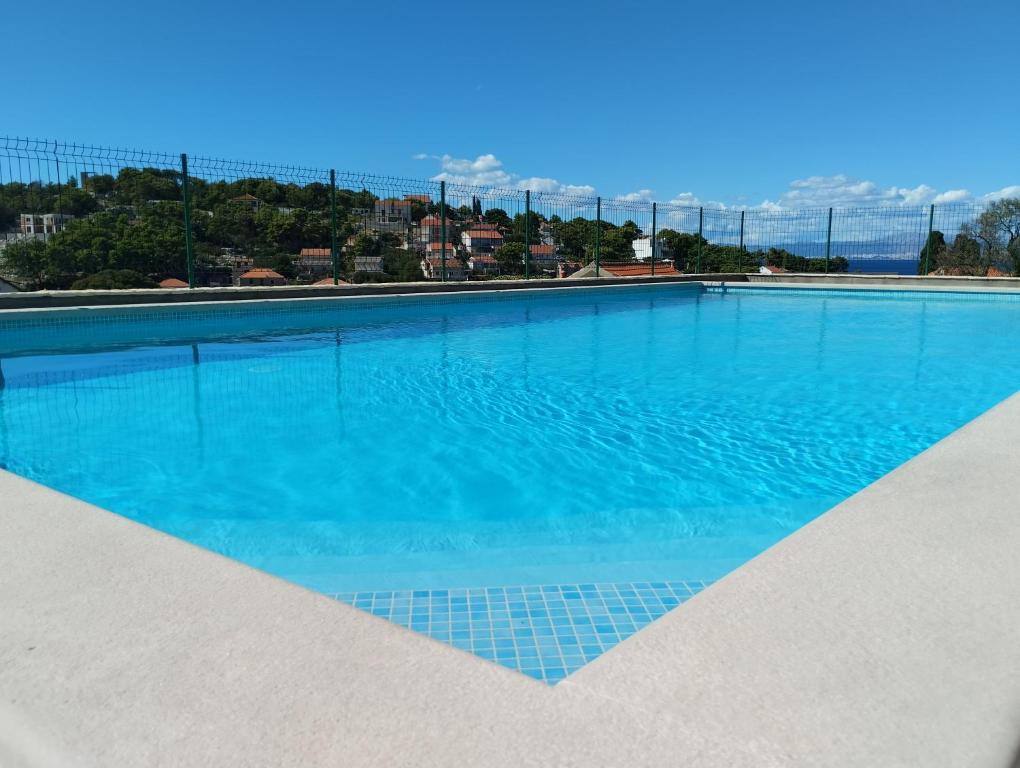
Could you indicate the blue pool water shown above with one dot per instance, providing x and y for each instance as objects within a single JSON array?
[{"x": 617, "y": 448}]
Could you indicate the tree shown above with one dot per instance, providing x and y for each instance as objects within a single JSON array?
[
  {"x": 575, "y": 238},
  {"x": 510, "y": 258},
  {"x": 518, "y": 226},
  {"x": 113, "y": 279},
  {"x": 28, "y": 261},
  {"x": 498, "y": 217},
  {"x": 617, "y": 242},
  {"x": 998, "y": 228},
  {"x": 684, "y": 247},
  {"x": 933, "y": 253},
  {"x": 405, "y": 266}
]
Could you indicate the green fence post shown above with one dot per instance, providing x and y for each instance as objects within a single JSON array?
[
  {"x": 332, "y": 227},
  {"x": 927, "y": 245},
  {"x": 442, "y": 231},
  {"x": 740, "y": 253},
  {"x": 701, "y": 227},
  {"x": 186, "y": 199},
  {"x": 653, "y": 238},
  {"x": 598, "y": 233},
  {"x": 527, "y": 234},
  {"x": 828, "y": 242}
]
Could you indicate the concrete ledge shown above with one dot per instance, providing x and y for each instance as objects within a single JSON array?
[
  {"x": 928, "y": 282},
  {"x": 49, "y": 299}
]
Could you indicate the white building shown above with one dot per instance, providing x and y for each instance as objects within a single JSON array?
[
  {"x": 43, "y": 224},
  {"x": 392, "y": 215},
  {"x": 481, "y": 239},
  {"x": 643, "y": 249}
]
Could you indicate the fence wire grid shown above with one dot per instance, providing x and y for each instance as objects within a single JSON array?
[{"x": 81, "y": 216}]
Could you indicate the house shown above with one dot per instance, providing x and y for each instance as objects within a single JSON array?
[
  {"x": 392, "y": 215},
  {"x": 172, "y": 282},
  {"x": 430, "y": 229},
  {"x": 248, "y": 201},
  {"x": 368, "y": 263},
  {"x": 314, "y": 261},
  {"x": 32, "y": 224},
  {"x": 479, "y": 240},
  {"x": 432, "y": 267},
  {"x": 436, "y": 249},
  {"x": 626, "y": 269},
  {"x": 329, "y": 281},
  {"x": 643, "y": 249},
  {"x": 544, "y": 256},
  {"x": 771, "y": 269},
  {"x": 261, "y": 276},
  {"x": 483, "y": 264}
]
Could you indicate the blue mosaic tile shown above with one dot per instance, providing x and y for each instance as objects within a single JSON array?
[{"x": 545, "y": 632}]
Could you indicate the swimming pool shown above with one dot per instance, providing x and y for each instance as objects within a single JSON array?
[{"x": 530, "y": 476}]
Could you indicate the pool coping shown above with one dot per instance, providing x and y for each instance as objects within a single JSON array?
[
  {"x": 140, "y": 296},
  {"x": 884, "y": 632}
]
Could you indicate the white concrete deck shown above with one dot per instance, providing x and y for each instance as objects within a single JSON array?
[{"x": 885, "y": 633}]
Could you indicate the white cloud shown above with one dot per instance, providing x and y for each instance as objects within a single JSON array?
[
  {"x": 836, "y": 191},
  {"x": 953, "y": 196},
  {"x": 841, "y": 191},
  {"x": 541, "y": 184},
  {"x": 488, "y": 171},
  {"x": 685, "y": 198},
  {"x": 641, "y": 196},
  {"x": 1010, "y": 191}
]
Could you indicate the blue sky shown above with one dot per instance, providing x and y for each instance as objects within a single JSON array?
[{"x": 797, "y": 103}]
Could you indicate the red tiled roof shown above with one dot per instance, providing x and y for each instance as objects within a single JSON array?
[
  {"x": 393, "y": 202},
  {"x": 316, "y": 252},
  {"x": 437, "y": 262},
  {"x": 439, "y": 246},
  {"x": 172, "y": 282},
  {"x": 484, "y": 258},
  {"x": 329, "y": 281},
  {"x": 638, "y": 270},
  {"x": 262, "y": 273},
  {"x": 542, "y": 250},
  {"x": 484, "y": 234}
]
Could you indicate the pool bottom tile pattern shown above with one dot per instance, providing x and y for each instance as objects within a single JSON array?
[{"x": 545, "y": 632}]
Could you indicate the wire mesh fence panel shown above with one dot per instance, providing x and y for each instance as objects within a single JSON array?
[
  {"x": 789, "y": 241},
  {"x": 563, "y": 241},
  {"x": 259, "y": 224},
  {"x": 679, "y": 242},
  {"x": 963, "y": 240},
  {"x": 724, "y": 249},
  {"x": 487, "y": 230},
  {"x": 94, "y": 217},
  {"x": 78, "y": 216},
  {"x": 391, "y": 229},
  {"x": 879, "y": 239},
  {"x": 625, "y": 238}
]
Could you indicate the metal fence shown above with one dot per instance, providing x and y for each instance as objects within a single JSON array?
[{"x": 83, "y": 216}]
